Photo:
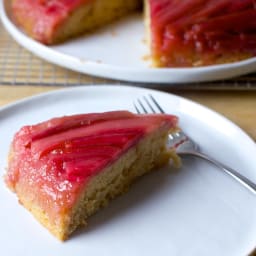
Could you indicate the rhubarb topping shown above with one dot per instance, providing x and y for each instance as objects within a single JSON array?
[
  {"x": 56, "y": 158},
  {"x": 46, "y": 15},
  {"x": 187, "y": 31}
]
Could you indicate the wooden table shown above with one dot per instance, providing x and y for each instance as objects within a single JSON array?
[{"x": 238, "y": 106}]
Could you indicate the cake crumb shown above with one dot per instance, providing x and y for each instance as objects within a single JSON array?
[
  {"x": 146, "y": 57},
  {"x": 144, "y": 40},
  {"x": 113, "y": 33},
  {"x": 83, "y": 60}
]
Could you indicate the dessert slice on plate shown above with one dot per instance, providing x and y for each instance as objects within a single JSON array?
[
  {"x": 180, "y": 33},
  {"x": 53, "y": 21},
  {"x": 65, "y": 169}
]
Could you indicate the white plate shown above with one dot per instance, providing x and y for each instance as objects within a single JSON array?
[
  {"x": 196, "y": 211},
  {"x": 118, "y": 52}
]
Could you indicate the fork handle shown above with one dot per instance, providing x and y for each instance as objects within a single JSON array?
[{"x": 239, "y": 177}]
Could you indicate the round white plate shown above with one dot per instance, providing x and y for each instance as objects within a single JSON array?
[
  {"x": 118, "y": 52},
  {"x": 195, "y": 211}
]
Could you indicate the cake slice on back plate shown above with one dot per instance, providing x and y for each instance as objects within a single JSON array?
[
  {"x": 181, "y": 33},
  {"x": 54, "y": 21},
  {"x": 65, "y": 169},
  {"x": 185, "y": 33}
]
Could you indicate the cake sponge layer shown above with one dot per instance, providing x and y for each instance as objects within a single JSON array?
[
  {"x": 150, "y": 154},
  {"x": 52, "y": 23}
]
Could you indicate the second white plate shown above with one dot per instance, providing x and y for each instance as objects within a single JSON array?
[
  {"x": 195, "y": 211},
  {"x": 118, "y": 52}
]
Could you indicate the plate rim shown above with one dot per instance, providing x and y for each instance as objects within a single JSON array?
[{"x": 139, "y": 75}]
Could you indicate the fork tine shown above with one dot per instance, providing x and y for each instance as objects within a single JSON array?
[
  {"x": 149, "y": 105},
  {"x": 137, "y": 109},
  {"x": 156, "y": 103},
  {"x": 142, "y": 106}
]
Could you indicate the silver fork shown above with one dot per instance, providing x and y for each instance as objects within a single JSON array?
[{"x": 185, "y": 145}]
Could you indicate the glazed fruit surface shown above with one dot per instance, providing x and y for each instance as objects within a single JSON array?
[{"x": 186, "y": 32}]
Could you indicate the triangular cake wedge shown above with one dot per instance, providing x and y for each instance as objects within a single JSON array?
[{"x": 65, "y": 169}]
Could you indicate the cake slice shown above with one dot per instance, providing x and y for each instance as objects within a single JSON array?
[
  {"x": 200, "y": 32},
  {"x": 65, "y": 169},
  {"x": 53, "y": 21},
  {"x": 179, "y": 33}
]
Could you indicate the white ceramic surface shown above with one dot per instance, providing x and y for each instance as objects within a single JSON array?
[
  {"x": 118, "y": 52},
  {"x": 195, "y": 211}
]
